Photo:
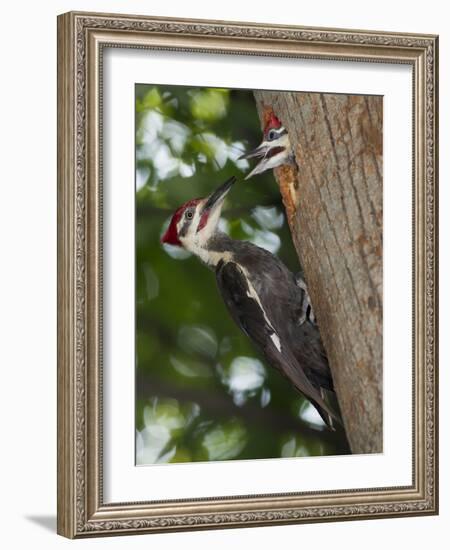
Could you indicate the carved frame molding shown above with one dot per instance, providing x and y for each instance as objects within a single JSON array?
[{"x": 81, "y": 38}]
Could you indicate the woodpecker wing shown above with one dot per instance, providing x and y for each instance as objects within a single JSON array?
[
  {"x": 307, "y": 343},
  {"x": 247, "y": 310},
  {"x": 309, "y": 352}
]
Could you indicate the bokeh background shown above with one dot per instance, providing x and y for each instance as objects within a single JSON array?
[{"x": 203, "y": 392}]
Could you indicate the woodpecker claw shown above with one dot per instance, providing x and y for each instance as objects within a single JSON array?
[{"x": 307, "y": 309}]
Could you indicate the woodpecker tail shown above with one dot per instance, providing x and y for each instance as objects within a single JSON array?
[
  {"x": 327, "y": 418},
  {"x": 328, "y": 415}
]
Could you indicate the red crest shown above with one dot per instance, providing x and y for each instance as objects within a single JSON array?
[
  {"x": 171, "y": 235},
  {"x": 272, "y": 122}
]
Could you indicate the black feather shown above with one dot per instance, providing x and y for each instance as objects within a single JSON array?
[{"x": 302, "y": 358}]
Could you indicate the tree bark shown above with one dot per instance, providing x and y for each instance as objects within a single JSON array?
[{"x": 334, "y": 204}]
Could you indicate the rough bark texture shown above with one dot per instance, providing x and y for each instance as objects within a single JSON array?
[{"x": 333, "y": 200}]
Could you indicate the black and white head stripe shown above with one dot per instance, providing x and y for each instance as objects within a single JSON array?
[
  {"x": 275, "y": 133},
  {"x": 186, "y": 221}
]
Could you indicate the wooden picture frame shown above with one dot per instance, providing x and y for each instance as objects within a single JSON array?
[{"x": 82, "y": 38}]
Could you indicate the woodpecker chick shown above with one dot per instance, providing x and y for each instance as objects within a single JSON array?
[
  {"x": 274, "y": 150},
  {"x": 262, "y": 296}
]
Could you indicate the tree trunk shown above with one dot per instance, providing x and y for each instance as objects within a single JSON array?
[{"x": 334, "y": 204}]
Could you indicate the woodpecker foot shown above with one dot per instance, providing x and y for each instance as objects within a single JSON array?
[{"x": 307, "y": 312}]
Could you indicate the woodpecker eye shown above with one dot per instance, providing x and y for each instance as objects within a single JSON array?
[
  {"x": 189, "y": 214},
  {"x": 272, "y": 135}
]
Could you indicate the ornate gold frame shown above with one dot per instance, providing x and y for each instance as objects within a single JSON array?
[{"x": 81, "y": 37}]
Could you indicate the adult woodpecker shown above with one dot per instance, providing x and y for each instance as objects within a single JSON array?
[
  {"x": 275, "y": 148},
  {"x": 263, "y": 297}
]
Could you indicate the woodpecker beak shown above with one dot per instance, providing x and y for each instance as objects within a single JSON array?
[
  {"x": 212, "y": 206},
  {"x": 216, "y": 199},
  {"x": 259, "y": 152}
]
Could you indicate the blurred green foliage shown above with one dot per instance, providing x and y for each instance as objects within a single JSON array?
[{"x": 203, "y": 391}]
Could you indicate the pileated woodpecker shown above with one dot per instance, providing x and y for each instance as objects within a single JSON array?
[
  {"x": 274, "y": 150},
  {"x": 263, "y": 297}
]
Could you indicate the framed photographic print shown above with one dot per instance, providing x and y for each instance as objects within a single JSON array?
[{"x": 247, "y": 289}]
